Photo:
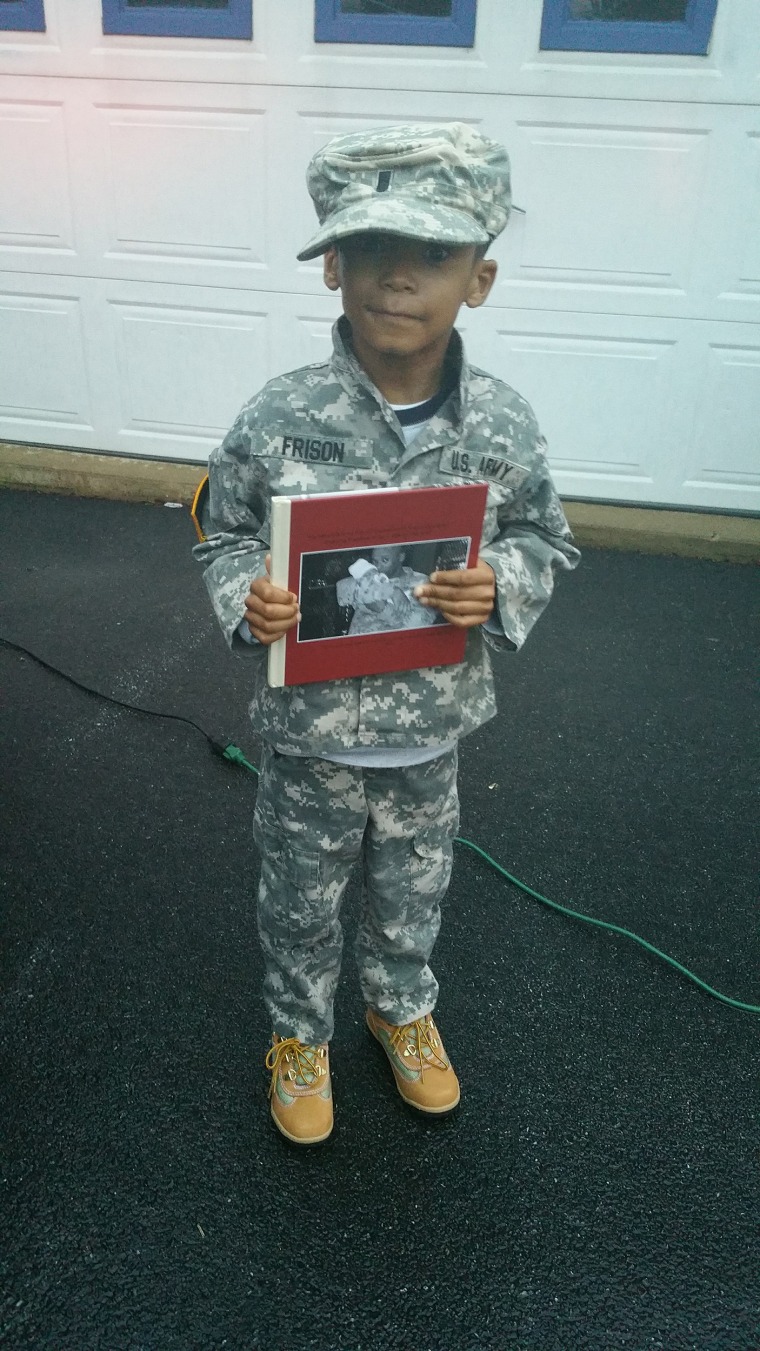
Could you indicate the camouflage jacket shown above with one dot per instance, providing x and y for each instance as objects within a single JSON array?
[{"x": 326, "y": 428}]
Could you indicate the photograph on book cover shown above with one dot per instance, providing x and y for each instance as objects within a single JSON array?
[
  {"x": 370, "y": 589},
  {"x": 354, "y": 560}
]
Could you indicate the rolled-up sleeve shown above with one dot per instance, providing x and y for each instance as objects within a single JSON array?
[
  {"x": 532, "y": 544},
  {"x": 237, "y": 539}
]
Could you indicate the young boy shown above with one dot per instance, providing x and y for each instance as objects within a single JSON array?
[{"x": 366, "y": 767}]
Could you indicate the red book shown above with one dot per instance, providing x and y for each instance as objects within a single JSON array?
[{"x": 354, "y": 560}]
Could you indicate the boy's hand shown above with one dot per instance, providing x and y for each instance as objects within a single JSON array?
[
  {"x": 464, "y": 597},
  {"x": 270, "y": 611}
]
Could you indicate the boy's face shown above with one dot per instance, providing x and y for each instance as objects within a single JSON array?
[{"x": 402, "y": 296}]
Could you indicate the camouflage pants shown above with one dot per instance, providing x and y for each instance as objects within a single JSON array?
[{"x": 313, "y": 820}]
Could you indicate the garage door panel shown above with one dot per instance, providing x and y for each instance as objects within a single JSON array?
[
  {"x": 35, "y": 201},
  {"x": 741, "y": 263},
  {"x": 635, "y": 409},
  {"x": 601, "y": 399},
  {"x": 725, "y": 453},
  {"x": 181, "y": 193},
  {"x": 612, "y": 212},
  {"x": 43, "y": 374},
  {"x": 610, "y": 206},
  {"x": 184, "y": 370}
]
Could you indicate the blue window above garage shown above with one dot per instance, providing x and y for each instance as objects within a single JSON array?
[
  {"x": 179, "y": 18},
  {"x": 680, "y": 27},
  {"x": 22, "y": 16},
  {"x": 429, "y": 23}
]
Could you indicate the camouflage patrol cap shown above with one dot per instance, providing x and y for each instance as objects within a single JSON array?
[{"x": 446, "y": 183}]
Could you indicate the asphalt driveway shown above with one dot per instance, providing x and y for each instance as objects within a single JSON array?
[{"x": 598, "y": 1188}]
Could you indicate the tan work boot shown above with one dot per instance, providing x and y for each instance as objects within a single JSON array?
[
  {"x": 300, "y": 1092},
  {"x": 421, "y": 1068}
]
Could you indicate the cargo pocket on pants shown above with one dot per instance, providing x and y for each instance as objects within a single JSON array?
[
  {"x": 406, "y": 878},
  {"x": 291, "y": 899},
  {"x": 430, "y": 871}
]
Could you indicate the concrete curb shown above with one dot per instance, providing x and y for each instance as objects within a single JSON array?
[
  {"x": 690, "y": 534},
  {"x": 656, "y": 530},
  {"x": 76, "y": 473}
]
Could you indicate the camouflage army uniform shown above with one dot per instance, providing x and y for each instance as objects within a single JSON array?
[
  {"x": 314, "y": 818},
  {"x": 327, "y": 428}
]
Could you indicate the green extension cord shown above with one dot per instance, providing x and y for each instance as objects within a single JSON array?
[{"x": 236, "y": 756}]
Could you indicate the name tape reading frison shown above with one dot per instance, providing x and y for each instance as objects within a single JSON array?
[{"x": 315, "y": 449}]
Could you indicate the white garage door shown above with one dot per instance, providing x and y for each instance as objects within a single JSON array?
[{"x": 152, "y": 203}]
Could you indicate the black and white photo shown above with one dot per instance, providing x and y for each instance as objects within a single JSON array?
[{"x": 370, "y": 589}]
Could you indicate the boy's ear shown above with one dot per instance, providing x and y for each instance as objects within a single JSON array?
[
  {"x": 483, "y": 278},
  {"x": 331, "y": 270}
]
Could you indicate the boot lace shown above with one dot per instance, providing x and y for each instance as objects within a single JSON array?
[
  {"x": 422, "y": 1042},
  {"x": 300, "y": 1063}
]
